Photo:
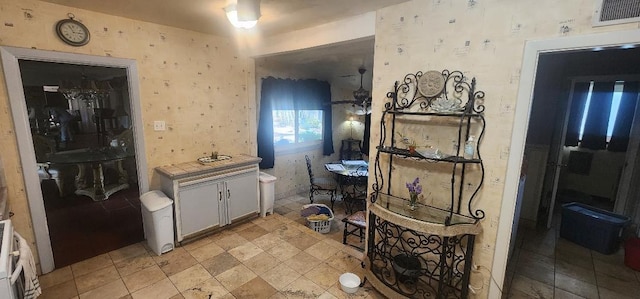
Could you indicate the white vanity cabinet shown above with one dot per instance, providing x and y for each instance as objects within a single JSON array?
[{"x": 211, "y": 196}]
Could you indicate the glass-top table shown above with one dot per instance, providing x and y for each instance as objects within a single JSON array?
[
  {"x": 352, "y": 177},
  {"x": 95, "y": 157}
]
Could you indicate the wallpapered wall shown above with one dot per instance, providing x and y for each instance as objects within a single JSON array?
[
  {"x": 197, "y": 83},
  {"x": 484, "y": 39}
]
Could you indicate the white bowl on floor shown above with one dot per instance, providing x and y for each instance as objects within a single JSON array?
[{"x": 349, "y": 282}]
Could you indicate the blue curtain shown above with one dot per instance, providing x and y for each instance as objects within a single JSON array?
[
  {"x": 291, "y": 94},
  {"x": 594, "y": 135},
  {"x": 622, "y": 128},
  {"x": 367, "y": 131},
  {"x": 578, "y": 101}
]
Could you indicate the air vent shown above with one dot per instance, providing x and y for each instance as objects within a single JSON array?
[{"x": 610, "y": 12}]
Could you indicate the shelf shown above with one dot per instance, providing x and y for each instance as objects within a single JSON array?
[
  {"x": 426, "y": 251},
  {"x": 421, "y": 113},
  {"x": 406, "y": 153},
  {"x": 423, "y": 213}
]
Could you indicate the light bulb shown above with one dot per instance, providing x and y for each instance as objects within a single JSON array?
[{"x": 232, "y": 15}]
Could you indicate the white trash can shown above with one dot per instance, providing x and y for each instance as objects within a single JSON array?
[
  {"x": 267, "y": 193},
  {"x": 157, "y": 219}
]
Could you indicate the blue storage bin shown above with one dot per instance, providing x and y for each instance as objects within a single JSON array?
[{"x": 591, "y": 227}]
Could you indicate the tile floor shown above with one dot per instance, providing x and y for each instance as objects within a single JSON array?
[
  {"x": 279, "y": 257},
  {"x": 272, "y": 257},
  {"x": 546, "y": 266}
]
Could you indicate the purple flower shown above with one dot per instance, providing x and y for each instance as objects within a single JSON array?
[{"x": 414, "y": 187}]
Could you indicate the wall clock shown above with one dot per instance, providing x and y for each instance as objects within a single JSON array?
[{"x": 72, "y": 32}]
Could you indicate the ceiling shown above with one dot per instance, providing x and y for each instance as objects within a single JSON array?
[
  {"x": 207, "y": 16},
  {"x": 337, "y": 64}
]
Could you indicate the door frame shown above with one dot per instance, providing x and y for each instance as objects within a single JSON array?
[
  {"x": 532, "y": 50},
  {"x": 15, "y": 90}
]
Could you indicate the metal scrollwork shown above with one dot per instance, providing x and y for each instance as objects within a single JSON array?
[
  {"x": 419, "y": 265},
  {"x": 451, "y": 92},
  {"x": 408, "y": 260}
]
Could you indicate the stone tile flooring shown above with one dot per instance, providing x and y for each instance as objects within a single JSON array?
[
  {"x": 546, "y": 266},
  {"x": 272, "y": 257},
  {"x": 279, "y": 257}
]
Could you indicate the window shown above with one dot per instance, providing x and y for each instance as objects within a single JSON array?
[
  {"x": 297, "y": 127},
  {"x": 295, "y": 115},
  {"x": 615, "y": 105}
]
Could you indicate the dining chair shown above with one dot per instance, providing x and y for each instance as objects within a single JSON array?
[
  {"x": 43, "y": 147},
  {"x": 359, "y": 222},
  {"x": 320, "y": 184},
  {"x": 355, "y": 197}
]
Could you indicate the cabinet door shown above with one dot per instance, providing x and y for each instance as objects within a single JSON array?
[
  {"x": 199, "y": 206},
  {"x": 242, "y": 195}
]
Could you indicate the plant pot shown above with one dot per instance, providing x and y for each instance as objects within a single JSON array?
[{"x": 407, "y": 267}]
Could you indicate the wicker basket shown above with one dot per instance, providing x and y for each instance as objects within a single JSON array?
[{"x": 321, "y": 226}]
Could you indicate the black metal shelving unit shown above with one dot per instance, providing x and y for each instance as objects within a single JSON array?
[{"x": 426, "y": 252}]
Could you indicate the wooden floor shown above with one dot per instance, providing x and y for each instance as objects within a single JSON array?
[{"x": 81, "y": 228}]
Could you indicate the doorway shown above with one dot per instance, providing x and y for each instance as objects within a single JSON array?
[
  {"x": 81, "y": 131},
  {"x": 520, "y": 127},
  {"x": 586, "y": 172},
  {"x": 11, "y": 58}
]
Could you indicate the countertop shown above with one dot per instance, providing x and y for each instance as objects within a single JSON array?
[{"x": 194, "y": 168}]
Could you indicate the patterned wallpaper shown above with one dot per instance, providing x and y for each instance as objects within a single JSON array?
[
  {"x": 204, "y": 89},
  {"x": 484, "y": 39},
  {"x": 199, "y": 84}
]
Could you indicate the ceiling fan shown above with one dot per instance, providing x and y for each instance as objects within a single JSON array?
[{"x": 361, "y": 98}]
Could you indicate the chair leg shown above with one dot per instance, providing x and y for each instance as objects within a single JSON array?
[
  {"x": 344, "y": 234},
  {"x": 333, "y": 198},
  {"x": 59, "y": 183},
  {"x": 311, "y": 195}
]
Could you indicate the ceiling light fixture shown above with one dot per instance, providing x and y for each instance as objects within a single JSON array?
[
  {"x": 361, "y": 95},
  {"x": 243, "y": 14},
  {"x": 93, "y": 93},
  {"x": 361, "y": 105}
]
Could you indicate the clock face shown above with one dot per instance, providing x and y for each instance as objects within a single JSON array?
[{"x": 72, "y": 32}]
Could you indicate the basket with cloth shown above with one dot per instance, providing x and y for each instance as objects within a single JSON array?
[{"x": 318, "y": 217}]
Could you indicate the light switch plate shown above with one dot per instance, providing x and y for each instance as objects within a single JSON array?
[{"x": 159, "y": 125}]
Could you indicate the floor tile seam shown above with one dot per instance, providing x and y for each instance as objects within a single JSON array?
[
  {"x": 128, "y": 258},
  {"x": 610, "y": 290},
  {"x": 74, "y": 274},
  {"x": 97, "y": 287},
  {"x": 536, "y": 280},
  {"x": 130, "y": 292},
  {"x": 577, "y": 278},
  {"x": 572, "y": 263},
  {"x": 617, "y": 278},
  {"x": 570, "y": 291}
]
